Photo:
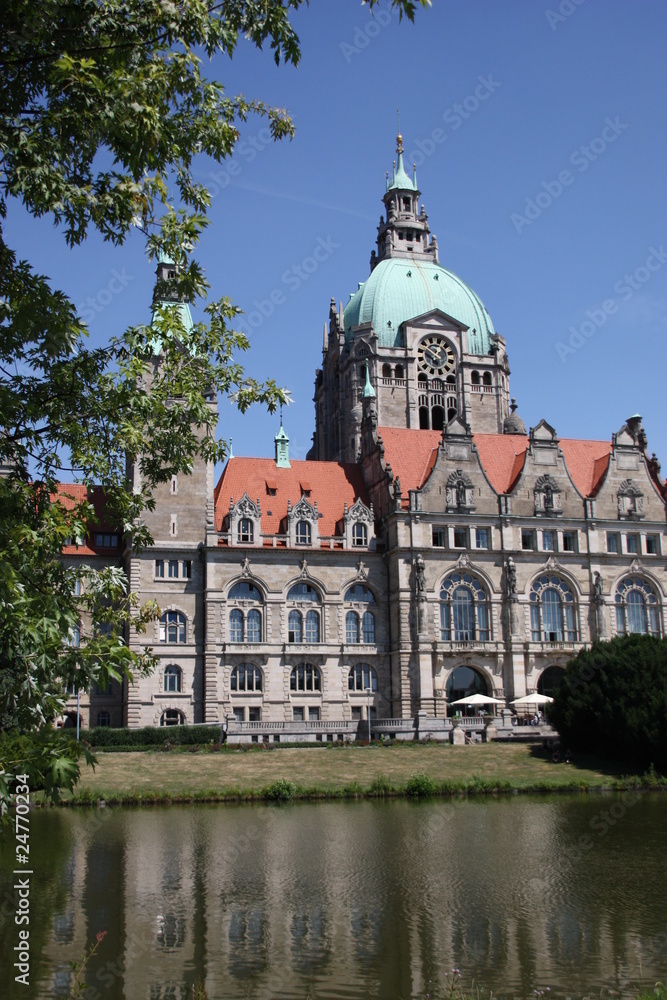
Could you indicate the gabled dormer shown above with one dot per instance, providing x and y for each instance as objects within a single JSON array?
[
  {"x": 245, "y": 522},
  {"x": 303, "y": 524},
  {"x": 359, "y": 526}
]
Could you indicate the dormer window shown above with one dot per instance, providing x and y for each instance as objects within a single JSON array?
[{"x": 303, "y": 533}]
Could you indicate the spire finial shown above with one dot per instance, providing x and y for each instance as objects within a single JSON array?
[
  {"x": 231, "y": 448},
  {"x": 399, "y": 137},
  {"x": 369, "y": 392}
]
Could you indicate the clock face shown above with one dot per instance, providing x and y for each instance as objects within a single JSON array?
[{"x": 436, "y": 356}]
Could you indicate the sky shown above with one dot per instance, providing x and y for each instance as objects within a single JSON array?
[{"x": 538, "y": 129}]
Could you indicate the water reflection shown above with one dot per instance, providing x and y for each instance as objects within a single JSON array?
[{"x": 352, "y": 900}]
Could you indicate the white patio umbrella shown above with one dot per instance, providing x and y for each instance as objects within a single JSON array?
[
  {"x": 533, "y": 699},
  {"x": 478, "y": 699}
]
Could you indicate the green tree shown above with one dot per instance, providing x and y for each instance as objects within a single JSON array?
[
  {"x": 613, "y": 701},
  {"x": 105, "y": 105}
]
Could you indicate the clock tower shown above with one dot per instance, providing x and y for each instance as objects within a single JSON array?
[{"x": 426, "y": 338}]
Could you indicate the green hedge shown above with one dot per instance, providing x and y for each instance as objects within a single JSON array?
[{"x": 105, "y": 736}]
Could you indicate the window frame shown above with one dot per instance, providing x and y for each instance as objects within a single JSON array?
[
  {"x": 303, "y": 533},
  {"x": 173, "y": 619},
  {"x": 542, "y": 612},
  {"x": 476, "y": 628},
  {"x": 172, "y": 670}
]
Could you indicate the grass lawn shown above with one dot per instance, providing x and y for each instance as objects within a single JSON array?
[{"x": 330, "y": 771}]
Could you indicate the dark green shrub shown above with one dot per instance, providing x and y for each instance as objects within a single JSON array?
[
  {"x": 421, "y": 784},
  {"x": 104, "y": 736},
  {"x": 279, "y": 791},
  {"x": 613, "y": 701}
]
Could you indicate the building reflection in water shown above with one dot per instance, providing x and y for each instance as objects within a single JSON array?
[{"x": 358, "y": 899}]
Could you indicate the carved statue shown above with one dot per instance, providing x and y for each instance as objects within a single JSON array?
[
  {"x": 597, "y": 586},
  {"x": 510, "y": 570},
  {"x": 420, "y": 576},
  {"x": 397, "y": 488},
  {"x": 548, "y": 497},
  {"x": 460, "y": 493}
]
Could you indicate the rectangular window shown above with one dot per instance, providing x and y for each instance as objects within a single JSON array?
[
  {"x": 313, "y": 714},
  {"x": 297, "y": 713},
  {"x": 526, "y": 538},
  {"x": 186, "y": 569},
  {"x": 438, "y": 537},
  {"x": 173, "y": 569},
  {"x": 632, "y": 544},
  {"x": 482, "y": 538},
  {"x": 159, "y": 569},
  {"x": 174, "y": 484},
  {"x": 356, "y": 713},
  {"x": 613, "y": 542},
  {"x": 652, "y": 545},
  {"x": 459, "y": 538},
  {"x": 548, "y": 541},
  {"x": 569, "y": 541},
  {"x": 254, "y": 715},
  {"x": 106, "y": 541},
  {"x": 238, "y": 714}
]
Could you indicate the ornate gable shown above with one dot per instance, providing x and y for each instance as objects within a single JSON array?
[
  {"x": 359, "y": 525},
  {"x": 245, "y": 522}
]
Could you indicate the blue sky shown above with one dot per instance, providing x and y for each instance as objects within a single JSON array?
[{"x": 539, "y": 133}]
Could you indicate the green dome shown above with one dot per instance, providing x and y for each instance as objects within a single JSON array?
[{"x": 400, "y": 289}]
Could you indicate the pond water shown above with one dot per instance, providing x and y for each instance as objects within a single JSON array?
[{"x": 346, "y": 900}]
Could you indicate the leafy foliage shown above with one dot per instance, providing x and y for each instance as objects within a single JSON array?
[
  {"x": 104, "y": 106},
  {"x": 613, "y": 701}
]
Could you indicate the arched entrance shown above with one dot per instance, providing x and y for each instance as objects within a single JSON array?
[
  {"x": 550, "y": 680},
  {"x": 462, "y": 683}
]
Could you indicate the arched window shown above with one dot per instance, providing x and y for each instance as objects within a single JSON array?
[
  {"x": 359, "y": 534},
  {"x": 462, "y": 683},
  {"x": 464, "y": 615},
  {"x": 172, "y": 678},
  {"x": 312, "y": 626},
  {"x": 245, "y": 677},
  {"x": 398, "y": 372},
  {"x": 486, "y": 378},
  {"x": 295, "y": 627},
  {"x": 305, "y": 677},
  {"x": 303, "y": 592},
  {"x": 172, "y": 717},
  {"x": 253, "y": 626},
  {"x": 246, "y": 530},
  {"x": 172, "y": 627},
  {"x": 386, "y": 371},
  {"x": 244, "y": 591},
  {"x": 550, "y": 681},
  {"x": 351, "y": 627},
  {"x": 368, "y": 626},
  {"x": 636, "y": 607},
  {"x": 236, "y": 625},
  {"x": 474, "y": 378},
  {"x": 552, "y": 611},
  {"x": 359, "y": 593},
  {"x": 104, "y": 718},
  {"x": 362, "y": 677},
  {"x": 303, "y": 533}
]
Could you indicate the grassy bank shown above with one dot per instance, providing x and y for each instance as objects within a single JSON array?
[{"x": 343, "y": 772}]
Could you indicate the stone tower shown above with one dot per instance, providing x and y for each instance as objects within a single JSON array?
[{"x": 429, "y": 343}]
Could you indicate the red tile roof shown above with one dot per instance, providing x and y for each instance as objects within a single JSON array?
[
  {"x": 331, "y": 484},
  {"x": 587, "y": 462},
  {"x": 70, "y": 495},
  {"x": 503, "y": 457},
  {"x": 412, "y": 455}
]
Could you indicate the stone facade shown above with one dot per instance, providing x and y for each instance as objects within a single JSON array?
[{"x": 428, "y": 547}]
